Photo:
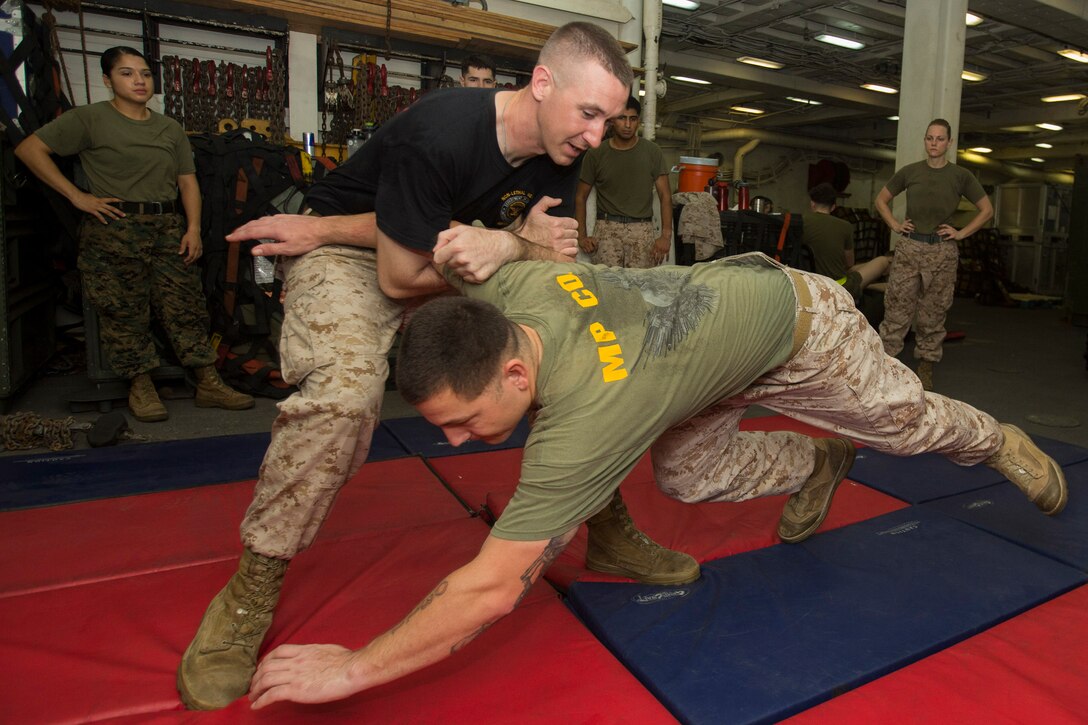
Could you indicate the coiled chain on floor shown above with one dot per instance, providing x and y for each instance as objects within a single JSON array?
[{"x": 22, "y": 431}]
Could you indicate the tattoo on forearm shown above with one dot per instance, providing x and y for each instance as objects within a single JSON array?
[
  {"x": 470, "y": 637},
  {"x": 551, "y": 551},
  {"x": 427, "y": 600}
]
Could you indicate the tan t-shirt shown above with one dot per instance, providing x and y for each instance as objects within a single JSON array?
[
  {"x": 628, "y": 353},
  {"x": 122, "y": 158}
]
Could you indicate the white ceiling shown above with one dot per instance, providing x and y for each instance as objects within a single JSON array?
[{"x": 1015, "y": 47}]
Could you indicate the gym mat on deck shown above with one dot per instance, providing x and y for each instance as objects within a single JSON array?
[
  {"x": 930, "y": 476},
  {"x": 419, "y": 437},
  {"x": 109, "y": 649},
  {"x": 131, "y": 468},
  {"x": 59, "y": 546},
  {"x": 1030, "y": 669},
  {"x": 772, "y": 632},
  {"x": 1005, "y": 511}
]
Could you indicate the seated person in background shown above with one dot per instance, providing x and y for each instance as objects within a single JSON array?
[
  {"x": 832, "y": 243},
  {"x": 478, "y": 71},
  {"x": 613, "y": 361}
]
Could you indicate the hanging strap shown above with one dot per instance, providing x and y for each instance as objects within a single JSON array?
[{"x": 782, "y": 237}]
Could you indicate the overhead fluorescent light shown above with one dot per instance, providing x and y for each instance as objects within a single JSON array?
[
  {"x": 1045, "y": 145},
  {"x": 973, "y": 19},
  {"x": 1049, "y": 126},
  {"x": 682, "y": 4},
  {"x": 893, "y": 118},
  {"x": 806, "y": 101},
  {"x": 641, "y": 92},
  {"x": 762, "y": 63},
  {"x": 1078, "y": 55},
  {"x": 981, "y": 149},
  {"x": 686, "y": 79},
  {"x": 841, "y": 42},
  {"x": 1037, "y": 160},
  {"x": 746, "y": 109},
  {"x": 970, "y": 75},
  {"x": 879, "y": 88},
  {"x": 1063, "y": 97}
]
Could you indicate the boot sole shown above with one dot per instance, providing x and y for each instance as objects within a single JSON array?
[
  {"x": 206, "y": 404},
  {"x": 158, "y": 417},
  {"x": 840, "y": 475},
  {"x": 655, "y": 580}
]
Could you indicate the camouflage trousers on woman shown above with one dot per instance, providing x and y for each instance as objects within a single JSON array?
[
  {"x": 337, "y": 331},
  {"x": 131, "y": 268},
  {"x": 921, "y": 286},
  {"x": 839, "y": 379}
]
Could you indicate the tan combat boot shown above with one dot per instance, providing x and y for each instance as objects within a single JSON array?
[
  {"x": 617, "y": 547},
  {"x": 806, "y": 509},
  {"x": 143, "y": 400},
  {"x": 1034, "y": 472},
  {"x": 212, "y": 392},
  {"x": 925, "y": 374},
  {"x": 216, "y": 669}
]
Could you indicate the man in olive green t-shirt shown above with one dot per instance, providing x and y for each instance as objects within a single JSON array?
[
  {"x": 626, "y": 171},
  {"x": 614, "y": 361},
  {"x": 831, "y": 240}
]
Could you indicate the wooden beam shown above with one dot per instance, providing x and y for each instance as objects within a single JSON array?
[{"x": 422, "y": 21}]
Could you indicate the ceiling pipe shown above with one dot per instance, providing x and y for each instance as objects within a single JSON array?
[
  {"x": 651, "y": 33},
  {"x": 738, "y": 159},
  {"x": 865, "y": 152}
]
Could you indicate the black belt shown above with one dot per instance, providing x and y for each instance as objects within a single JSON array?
[
  {"x": 623, "y": 219},
  {"x": 148, "y": 207},
  {"x": 925, "y": 238}
]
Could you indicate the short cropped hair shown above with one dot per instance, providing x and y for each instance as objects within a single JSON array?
[
  {"x": 632, "y": 102},
  {"x": 585, "y": 41},
  {"x": 941, "y": 122},
  {"x": 477, "y": 61},
  {"x": 823, "y": 194},
  {"x": 453, "y": 343}
]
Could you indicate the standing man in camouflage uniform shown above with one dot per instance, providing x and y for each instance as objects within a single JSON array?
[
  {"x": 137, "y": 250},
  {"x": 626, "y": 170},
  {"x": 408, "y": 195},
  {"x": 922, "y": 281}
]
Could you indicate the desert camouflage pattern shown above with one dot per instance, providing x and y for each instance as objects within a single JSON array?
[
  {"x": 337, "y": 331},
  {"x": 921, "y": 286},
  {"x": 700, "y": 222},
  {"x": 131, "y": 269},
  {"x": 622, "y": 244},
  {"x": 840, "y": 380}
]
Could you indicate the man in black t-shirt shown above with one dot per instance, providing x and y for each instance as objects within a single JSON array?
[{"x": 504, "y": 158}]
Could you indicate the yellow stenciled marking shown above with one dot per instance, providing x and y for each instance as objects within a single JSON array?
[
  {"x": 610, "y": 355},
  {"x": 572, "y": 283}
]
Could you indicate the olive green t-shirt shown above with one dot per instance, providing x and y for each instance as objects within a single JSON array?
[
  {"x": 624, "y": 178},
  {"x": 828, "y": 237},
  {"x": 934, "y": 194},
  {"x": 122, "y": 158},
  {"x": 628, "y": 354}
]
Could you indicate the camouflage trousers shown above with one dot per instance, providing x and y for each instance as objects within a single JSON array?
[
  {"x": 131, "y": 268},
  {"x": 337, "y": 331},
  {"x": 622, "y": 244},
  {"x": 921, "y": 285},
  {"x": 839, "y": 379}
]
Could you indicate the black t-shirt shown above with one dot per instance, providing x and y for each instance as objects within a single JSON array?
[{"x": 440, "y": 161}]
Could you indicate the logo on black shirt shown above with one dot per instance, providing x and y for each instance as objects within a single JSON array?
[{"x": 514, "y": 204}]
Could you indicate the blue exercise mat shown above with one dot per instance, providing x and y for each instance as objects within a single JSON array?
[
  {"x": 769, "y": 633},
  {"x": 1005, "y": 511},
  {"x": 132, "y": 468},
  {"x": 419, "y": 437},
  {"x": 930, "y": 476}
]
